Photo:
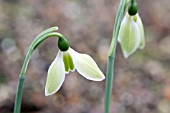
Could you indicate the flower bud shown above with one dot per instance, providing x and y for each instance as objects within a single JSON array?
[
  {"x": 133, "y": 8},
  {"x": 131, "y": 35},
  {"x": 63, "y": 44}
]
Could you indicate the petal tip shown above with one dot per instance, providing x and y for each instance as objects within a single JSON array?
[
  {"x": 46, "y": 93},
  {"x": 97, "y": 79},
  {"x": 49, "y": 93},
  {"x": 101, "y": 79},
  {"x": 126, "y": 55}
]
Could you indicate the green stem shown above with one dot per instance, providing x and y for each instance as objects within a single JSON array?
[
  {"x": 40, "y": 38},
  {"x": 111, "y": 56},
  {"x": 108, "y": 87},
  {"x": 19, "y": 95}
]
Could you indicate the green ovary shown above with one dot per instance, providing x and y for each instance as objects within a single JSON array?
[{"x": 68, "y": 62}]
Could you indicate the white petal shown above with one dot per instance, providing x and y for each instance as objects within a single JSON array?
[
  {"x": 86, "y": 66},
  {"x": 141, "y": 29},
  {"x": 56, "y": 75}
]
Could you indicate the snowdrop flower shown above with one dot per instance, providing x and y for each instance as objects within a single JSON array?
[
  {"x": 67, "y": 61},
  {"x": 131, "y": 35}
]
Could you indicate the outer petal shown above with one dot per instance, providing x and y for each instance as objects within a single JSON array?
[
  {"x": 142, "y": 35},
  {"x": 129, "y": 36},
  {"x": 86, "y": 66},
  {"x": 56, "y": 75}
]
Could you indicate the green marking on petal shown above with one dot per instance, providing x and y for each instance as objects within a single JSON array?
[
  {"x": 135, "y": 18},
  {"x": 68, "y": 62}
]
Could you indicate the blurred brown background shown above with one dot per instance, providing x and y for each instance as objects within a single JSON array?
[{"x": 141, "y": 84}]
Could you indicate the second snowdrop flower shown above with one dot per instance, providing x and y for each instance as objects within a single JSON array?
[{"x": 131, "y": 35}]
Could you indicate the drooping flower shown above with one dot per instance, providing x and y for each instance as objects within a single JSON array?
[
  {"x": 67, "y": 61},
  {"x": 131, "y": 35}
]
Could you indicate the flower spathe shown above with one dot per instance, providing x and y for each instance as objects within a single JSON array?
[
  {"x": 131, "y": 35},
  {"x": 69, "y": 61}
]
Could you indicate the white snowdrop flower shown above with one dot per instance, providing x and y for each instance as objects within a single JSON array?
[
  {"x": 70, "y": 60},
  {"x": 131, "y": 35}
]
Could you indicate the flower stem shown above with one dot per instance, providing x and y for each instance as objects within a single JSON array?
[
  {"x": 111, "y": 56},
  {"x": 108, "y": 87},
  {"x": 19, "y": 95},
  {"x": 39, "y": 39}
]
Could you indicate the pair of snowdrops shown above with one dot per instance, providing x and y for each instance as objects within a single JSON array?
[{"x": 131, "y": 37}]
